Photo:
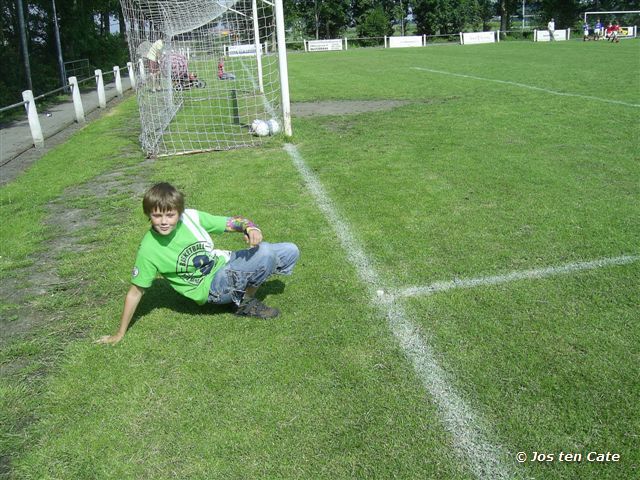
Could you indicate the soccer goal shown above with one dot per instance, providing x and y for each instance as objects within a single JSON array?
[
  {"x": 626, "y": 19},
  {"x": 207, "y": 70}
]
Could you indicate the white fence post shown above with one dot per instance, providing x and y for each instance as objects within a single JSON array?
[
  {"x": 385, "y": 41},
  {"x": 102, "y": 102},
  {"x": 346, "y": 45},
  {"x": 116, "y": 74},
  {"x": 34, "y": 121},
  {"x": 77, "y": 99},
  {"x": 132, "y": 75}
]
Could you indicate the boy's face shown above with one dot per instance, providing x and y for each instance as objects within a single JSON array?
[{"x": 164, "y": 222}]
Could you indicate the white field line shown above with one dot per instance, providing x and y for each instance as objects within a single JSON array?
[
  {"x": 530, "y": 87},
  {"x": 485, "y": 460},
  {"x": 512, "y": 276}
]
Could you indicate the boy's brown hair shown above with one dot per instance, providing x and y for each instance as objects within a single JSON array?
[{"x": 162, "y": 197}]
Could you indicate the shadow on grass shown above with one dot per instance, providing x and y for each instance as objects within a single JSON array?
[{"x": 161, "y": 295}]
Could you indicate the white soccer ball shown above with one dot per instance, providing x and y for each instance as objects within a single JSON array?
[
  {"x": 274, "y": 126},
  {"x": 260, "y": 128}
]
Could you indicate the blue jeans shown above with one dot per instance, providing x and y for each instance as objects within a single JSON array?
[{"x": 251, "y": 268}]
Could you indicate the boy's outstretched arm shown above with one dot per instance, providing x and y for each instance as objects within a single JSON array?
[{"x": 131, "y": 302}]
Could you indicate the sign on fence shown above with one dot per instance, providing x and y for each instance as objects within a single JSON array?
[
  {"x": 558, "y": 35},
  {"x": 409, "y": 41},
  {"x": 323, "y": 45},
  {"x": 246, "y": 50},
  {"x": 627, "y": 32},
  {"x": 471, "y": 38}
]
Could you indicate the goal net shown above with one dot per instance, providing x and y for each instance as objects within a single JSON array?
[
  {"x": 627, "y": 20},
  {"x": 206, "y": 70}
]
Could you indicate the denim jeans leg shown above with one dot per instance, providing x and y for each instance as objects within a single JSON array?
[
  {"x": 220, "y": 290},
  {"x": 251, "y": 268}
]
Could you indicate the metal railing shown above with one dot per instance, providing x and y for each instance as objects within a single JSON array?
[
  {"x": 77, "y": 68},
  {"x": 29, "y": 101}
]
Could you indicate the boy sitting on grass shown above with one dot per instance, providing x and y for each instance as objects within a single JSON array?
[{"x": 178, "y": 247}]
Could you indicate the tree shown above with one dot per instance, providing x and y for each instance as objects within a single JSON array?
[
  {"x": 445, "y": 16},
  {"x": 374, "y": 23},
  {"x": 326, "y": 19},
  {"x": 429, "y": 16},
  {"x": 84, "y": 33},
  {"x": 565, "y": 12},
  {"x": 400, "y": 12},
  {"x": 486, "y": 11}
]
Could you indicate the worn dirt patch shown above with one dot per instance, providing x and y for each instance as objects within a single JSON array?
[
  {"x": 344, "y": 107},
  {"x": 68, "y": 226}
]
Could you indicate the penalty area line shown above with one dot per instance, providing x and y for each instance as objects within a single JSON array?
[
  {"x": 537, "y": 273},
  {"x": 530, "y": 87},
  {"x": 468, "y": 431}
]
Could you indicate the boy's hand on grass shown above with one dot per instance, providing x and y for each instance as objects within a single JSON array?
[
  {"x": 110, "y": 339},
  {"x": 253, "y": 236}
]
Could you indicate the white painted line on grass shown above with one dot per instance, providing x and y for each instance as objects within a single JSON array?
[
  {"x": 513, "y": 276},
  {"x": 530, "y": 87},
  {"x": 485, "y": 460}
]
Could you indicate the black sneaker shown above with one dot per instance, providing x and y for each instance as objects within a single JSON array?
[{"x": 255, "y": 308}]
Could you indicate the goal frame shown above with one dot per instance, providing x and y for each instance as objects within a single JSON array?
[{"x": 177, "y": 26}]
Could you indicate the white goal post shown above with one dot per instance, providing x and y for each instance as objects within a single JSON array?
[{"x": 208, "y": 69}]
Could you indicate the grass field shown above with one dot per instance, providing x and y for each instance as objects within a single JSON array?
[{"x": 497, "y": 207}]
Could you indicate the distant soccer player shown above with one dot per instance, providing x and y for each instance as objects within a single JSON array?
[
  {"x": 551, "y": 26},
  {"x": 153, "y": 55},
  {"x": 608, "y": 31},
  {"x": 615, "y": 32},
  {"x": 597, "y": 31},
  {"x": 585, "y": 32}
]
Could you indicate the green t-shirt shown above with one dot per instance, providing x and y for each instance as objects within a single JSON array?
[{"x": 186, "y": 257}]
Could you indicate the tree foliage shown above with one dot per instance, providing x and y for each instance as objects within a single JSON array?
[
  {"x": 374, "y": 23},
  {"x": 85, "y": 32},
  {"x": 443, "y": 17},
  {"x": 318, "y": 18},
  {"x": 564, "y": 13}
]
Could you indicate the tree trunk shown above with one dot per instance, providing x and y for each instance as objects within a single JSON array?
[
  {"x": 121, "y": 22},
  {"x": 504, "y": 16},
  {"x": 105, "y": 28}
]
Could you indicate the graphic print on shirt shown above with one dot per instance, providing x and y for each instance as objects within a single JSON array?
[{"x": 195, "y": 262}]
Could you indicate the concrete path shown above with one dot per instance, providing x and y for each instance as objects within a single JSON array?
[{"x": 15, "y": 137}]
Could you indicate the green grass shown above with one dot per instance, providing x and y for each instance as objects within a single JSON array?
[{"x": 469, "y": 178}]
